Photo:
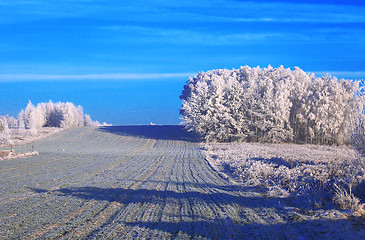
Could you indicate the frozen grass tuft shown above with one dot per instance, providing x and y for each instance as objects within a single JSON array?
[
  {"x": 320, "y": 176},
  {"x": 345, "y": 199}
]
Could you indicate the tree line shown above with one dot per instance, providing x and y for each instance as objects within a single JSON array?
[
  {"x": 61, "y": 115},
  {"x": 271, "y": 105}
]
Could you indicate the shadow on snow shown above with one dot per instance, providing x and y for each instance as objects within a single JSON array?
[
  {"x": 221, "y": 227},
  {"x": 158, "y": 132},
  {"x": 130, "y": 196}
]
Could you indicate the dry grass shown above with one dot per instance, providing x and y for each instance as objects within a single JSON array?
[
  {"x": 7, "y": 154},
  {"x": 21, "y": 136},
  {"x": 322, "y": 175},
  {"x": 4, "y": 153}
]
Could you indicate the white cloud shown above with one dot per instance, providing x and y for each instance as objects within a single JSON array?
[
  {"x": 182, "y": 11},
  {"x": 342, "y": 74},
  {"x": 103, "y": 76},
  {"x": 143, "y": 76},
  {"x": 192, "y": 36},
  {"x": 246, "y": 11}
]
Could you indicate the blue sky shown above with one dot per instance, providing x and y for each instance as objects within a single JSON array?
[{"x": 139, "y": 42}]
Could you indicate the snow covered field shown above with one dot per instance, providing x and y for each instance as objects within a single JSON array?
[
  {"x": 314, "y": 176},
  {"x": 145, "y": 182}
]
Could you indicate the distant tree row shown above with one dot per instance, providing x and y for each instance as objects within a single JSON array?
[
  {"x": 62, "y": 115},
  {"x": 271, "y": 105}
]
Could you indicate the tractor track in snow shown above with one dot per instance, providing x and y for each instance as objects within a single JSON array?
[{"x": 133, "y": 182}]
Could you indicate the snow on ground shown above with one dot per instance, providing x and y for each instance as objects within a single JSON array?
[
  {"x": 146, "y": 182},
  {"x": 8, "y": 154},
  {"x": 18, "y": 136},
  {"x": 316, "y": 178},
  {"x": 12, "y": 141}
]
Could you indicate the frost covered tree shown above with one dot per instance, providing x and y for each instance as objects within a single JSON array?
[
  {"x": 270, "y": 105},
  {"x": 12, "y": 121},
  {"x": 21, "y": 120},
  {"x": 88, "y": 122},
  {"x": 29, "y": 116},
  {"x": 72, "y": 116},
  {"x": 51, "y": 114},
  {"x": 4, "y": 130},
  {"x": 3, "y": 125},
  {"x": 326, "y": 110},
  {"x": 358, "y": 135},
  {"x": 54, "y": 115}
]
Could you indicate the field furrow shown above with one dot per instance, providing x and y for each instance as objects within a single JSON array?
[{"x": 142, "y": 182}]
